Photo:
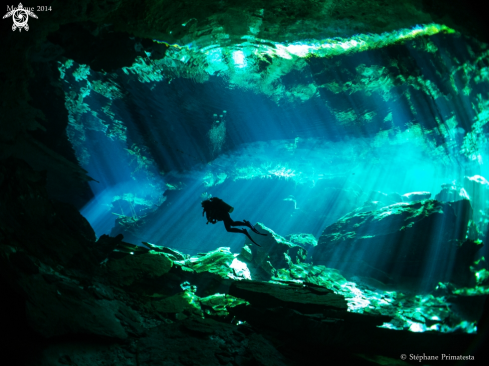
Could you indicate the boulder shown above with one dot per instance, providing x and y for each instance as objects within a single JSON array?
[
  {"x": 477, "y": 188},
  {"x": 63, "y": 307},
  {"x": 219, "y": 262},
  {"x": 173, "y": 253},
  {"x": 451, "y": 193},
  {"x": 274, "y": 252},
  {"x": 415, "y": 196},
  {"x": 88, "y": 352},
  {"x": 306, "y": 241},
  {"x": 308, "y": 299},
  {"x": 417, "y": 242},
  {"x": 196, "y": 341},
  {"x": 134, "y": 268},
  {"x": 182, "y": 302}
]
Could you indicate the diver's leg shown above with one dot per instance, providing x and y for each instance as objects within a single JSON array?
[
  {"x": 241, "y": 223},
  {"x": 236, "y": 223},
  {"x": 229, "y": 221},
  {"x": 227, "y": 225}
]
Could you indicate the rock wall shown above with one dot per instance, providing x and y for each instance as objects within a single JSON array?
[{"x": 421, "y": 243}]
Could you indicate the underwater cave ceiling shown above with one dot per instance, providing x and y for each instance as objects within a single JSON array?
[{"x": 289, "y": 37}]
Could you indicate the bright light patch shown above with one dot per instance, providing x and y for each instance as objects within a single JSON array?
[
  {"x": 215, "y": 55},
  {"x": 241, "y": 269},
  {"x": 417, "y": 327},
  {"x": 239, "y": 59},
  {"x": 329, "y": 46},
  {"x": 300, "y": 50}
]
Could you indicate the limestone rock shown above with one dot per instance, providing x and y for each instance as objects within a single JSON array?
[
  {"x": 173, "y": 253},
  {"x": 451, "y": 193},
  {"x": 264, "y": 352},
  {"x": 220, "y": 264},
  {"x": 202, "y": 342},
  {"x": 394, "y": 242},
  {"x": 274, "y": 252},
  {"x": 477, "y": 188},
  {"x": 370, "y": 206},
  {"x": 183, "y": 302},
  {"x": 307, "y": 299},
  {"x": 88, "y": 352},
  {"x": 216, "y": 261},
  {"x": 133, "y": 268},
  {"x": 415, "y": 196},
  {"x": 386, "y": 198},
  {"x": 63, "y": 308},
  {"x": 306, "y": 241}
]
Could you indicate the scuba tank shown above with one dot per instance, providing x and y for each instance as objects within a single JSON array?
[{"x": 222, "y": 205}]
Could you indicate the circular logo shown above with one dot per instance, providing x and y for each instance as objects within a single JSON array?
[
  {"x": 20, "y": 17},
  {"x": 403, "y": 356}
]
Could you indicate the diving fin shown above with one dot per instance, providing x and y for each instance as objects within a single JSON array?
[
  {"x": 248, "y": 235},
  {"x": 253, "y": 228}
]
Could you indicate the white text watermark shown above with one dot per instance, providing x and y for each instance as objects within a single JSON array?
[{"x": 442, "y": 357}]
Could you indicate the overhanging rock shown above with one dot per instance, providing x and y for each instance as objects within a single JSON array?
[{"x": 418, "y": 242}]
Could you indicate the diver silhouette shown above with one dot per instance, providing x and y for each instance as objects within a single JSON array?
[{"x": 218, "y": 210}]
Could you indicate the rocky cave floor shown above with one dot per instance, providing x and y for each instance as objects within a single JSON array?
[{"x": 69, "y": 299}]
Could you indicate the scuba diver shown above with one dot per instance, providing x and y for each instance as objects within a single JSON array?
[{"x": 218, "y": 210}]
